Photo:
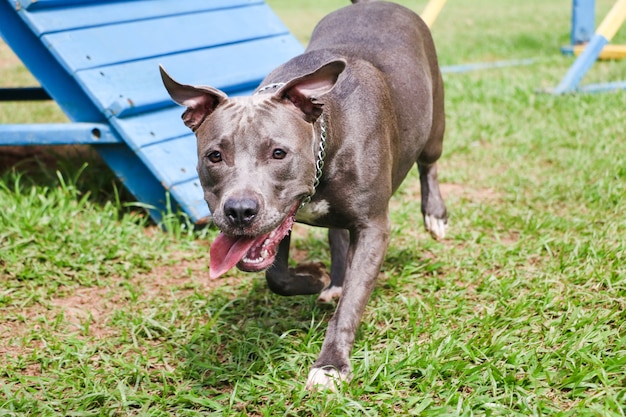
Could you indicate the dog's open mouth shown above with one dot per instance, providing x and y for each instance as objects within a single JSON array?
[{"x": 250, "y": 254}]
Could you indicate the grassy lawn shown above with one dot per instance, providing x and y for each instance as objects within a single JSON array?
[{"x": 520, "y": 311}]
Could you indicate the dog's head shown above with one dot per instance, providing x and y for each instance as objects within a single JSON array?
[{"x": 256, "y": 160}]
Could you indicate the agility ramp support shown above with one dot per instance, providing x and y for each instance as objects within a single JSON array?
[
  {"x": 99, "y": 59},
  {"x": 603, "y": 35},
  {"x": 583, "y": 21},
  {"x": 583, "y": 24}
]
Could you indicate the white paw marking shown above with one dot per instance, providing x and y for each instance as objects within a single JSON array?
[
  {"x": 324, "y": 379},
  {"x": 329, "y": 294},
  {"x": 436, "y": 227}
]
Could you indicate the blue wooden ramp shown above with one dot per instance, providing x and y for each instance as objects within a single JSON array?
[{"x": 99, "y": 61}]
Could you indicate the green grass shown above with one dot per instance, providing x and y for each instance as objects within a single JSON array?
[{"x": 520, "y": 311}]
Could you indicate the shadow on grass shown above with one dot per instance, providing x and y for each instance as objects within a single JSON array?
[
  {"x": 80, "y": 165},
  {"x": 260, "y": 336},
  {"x": 256, "y": 334},
  {"x": 402, "y": 261}
]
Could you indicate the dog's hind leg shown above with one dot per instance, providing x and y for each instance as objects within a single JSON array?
[
  {"x": 304, "y": 279},
  {"x": 339, "y": 240},
  {"x": 433, "y": 206}
]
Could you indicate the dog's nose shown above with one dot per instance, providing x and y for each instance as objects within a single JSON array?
[{"x": 241, "y": 211}]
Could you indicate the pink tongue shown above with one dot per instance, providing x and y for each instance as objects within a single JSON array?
[{"x": 225, "y": 252}]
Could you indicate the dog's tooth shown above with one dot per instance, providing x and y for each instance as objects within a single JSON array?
[
  {"x": 264, "y": 254},
  {"x": 252, "y": 261},
  {"x": 272, "y": 234}
]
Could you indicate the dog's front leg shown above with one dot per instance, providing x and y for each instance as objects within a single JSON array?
[
  {"x": 304, "y": 279},
  {"x": 365, "y": 257}
]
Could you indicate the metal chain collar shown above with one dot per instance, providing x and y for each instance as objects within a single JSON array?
[
  {"x": 319, "y": 164},
  {"x": 321, "y": 154},
  {"x": 269, "y": 87}
]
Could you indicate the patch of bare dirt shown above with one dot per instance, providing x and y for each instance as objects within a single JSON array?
[
  {"x": 183, "y": 274},
  {"x": 452, "y": 190},
  {"x": 87, "y": 311},
  {"x": 92, "y": 306},
  {"x": 464, "y": 191}
]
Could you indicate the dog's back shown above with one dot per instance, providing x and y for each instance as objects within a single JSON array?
[{"x": 398, "y": 45}]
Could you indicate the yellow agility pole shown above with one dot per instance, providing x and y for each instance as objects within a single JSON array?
[
  {"x": 431, "y": 11},
  {"x": 613, "y": 21},
  {"x": 600, "y": 39},
  {"x": 608, "y": 52}
]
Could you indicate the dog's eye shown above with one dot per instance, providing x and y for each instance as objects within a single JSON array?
[
  {"x": 214, "y": 156},
  {"x": 279, "y": 153}
]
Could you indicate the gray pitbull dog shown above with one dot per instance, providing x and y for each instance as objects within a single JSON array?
[{"x": 326, "y": 140}]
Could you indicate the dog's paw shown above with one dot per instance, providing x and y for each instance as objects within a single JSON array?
[
  {"x": 325, "y": 379},
  {"x": 329, "y": 294},
  {"x": 436, "y": 227},
  {"x": 315, "y": 270}
]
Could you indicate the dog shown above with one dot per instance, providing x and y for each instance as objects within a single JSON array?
[{"x": 325, "y": 140}]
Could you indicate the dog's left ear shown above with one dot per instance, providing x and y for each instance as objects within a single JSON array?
[
  {"x": 199, "y": 100},
  {"x": 304, "y": 91}
]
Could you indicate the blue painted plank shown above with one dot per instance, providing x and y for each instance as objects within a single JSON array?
[
  {"x": 52, "y": 18},
  {"x": 153, "y": 127},
  {"x": 41, "y": 4},
  {"x": 57, "y": 134},
  {"x": 191, "y": 198},
  {"x": 174, "y": 161},
  {"x": 136, "y": 87},
  {"x": 132, "y": 41},
  {"x": 136, "y": 177}
]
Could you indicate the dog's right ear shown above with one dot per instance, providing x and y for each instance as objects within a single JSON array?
[
  {"x": 305, "y": 91},
  {"x": 199, "y": 100}
]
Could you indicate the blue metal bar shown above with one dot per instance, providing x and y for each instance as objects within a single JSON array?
[
  {"x": 603, "y": 87},
  {"x": 583, "y": 21},
  {"x": 582, "y": 64}
]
